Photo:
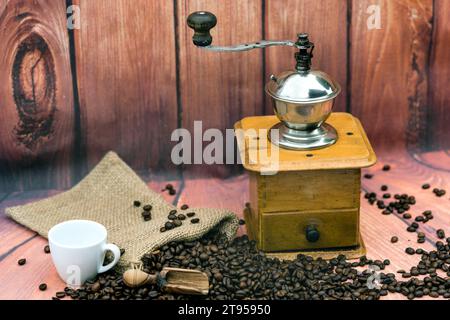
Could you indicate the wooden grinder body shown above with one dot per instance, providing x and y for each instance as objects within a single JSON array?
[{"x": 312, "y": 203}]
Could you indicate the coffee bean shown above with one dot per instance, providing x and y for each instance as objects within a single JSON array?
[
  {"x": 137, "y": 203},
  {"x": 415, "y": 225},
  {"x": 368, "y": 176},
  {"x": 169, "y": 187},
  {"x": 386, "y": 167},
  {"x": 145, "y": 214},
  {"x": 440, "y": 233},
  {"x": 190, "y": 214},
  {"x": 60, "y": 295},
  {"x": 147, "y": 207},
  {"x": 181, "y": 217},
  {"x": 241, "y": 222},
  {"x": 195, "y": 220},
  {"x": 47, "y": 249},
  {"x": 21, "y": 262},
  {"x": 421, "y": 235},
  {"x": 42, "y": 287},
  {"x": 419, "y": 218},
  {"x": 169, "y": 225},
  {"x": 426, "y": 186},
  {"x": 420, "y": 240},
  {"x": 172, "y": 192},
  {"x": 394, "y": 239},
  {"x": 177, "y": 223},
  {"x": 411, "y": 229},
  {"x": 162, "y": 229},
  {"x": 96, "y": 286},
  {"x": 427, "y": 213},
  {"x": 172, "y": 212},
  {"x": 184, "y": 207},
  {"x": 410, "y": 251},
  {"x": 407, "y": 216},
  {"x": 386, "y": 195},
  {"x": 172, "y": 217},
  {"x": 384, "y": 187}
]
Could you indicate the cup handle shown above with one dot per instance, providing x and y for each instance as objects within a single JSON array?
[{"x": 116, "y": 252}]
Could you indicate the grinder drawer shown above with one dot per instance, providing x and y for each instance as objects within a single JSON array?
[{"x": 285, "y": 231}]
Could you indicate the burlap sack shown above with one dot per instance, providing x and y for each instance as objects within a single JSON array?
[{"x": 106, "y": 195}]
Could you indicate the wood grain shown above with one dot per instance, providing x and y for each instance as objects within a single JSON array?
[
  {"x": 326, "y": 23},
  {"x": 36, "y": 126},
  {"x": 439, "y": 117},
  {"x": 220, "y": 88},
  {"x": 389, "y": 72},
  {"x": 125, "y": 57}
]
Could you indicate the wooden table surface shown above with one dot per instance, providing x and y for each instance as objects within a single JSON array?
[{"x": 407, "y": 174}]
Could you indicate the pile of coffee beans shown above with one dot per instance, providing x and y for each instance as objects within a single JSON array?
[
  {"x": 401, "y": 204},
  {"x": 238, "y": 270}
]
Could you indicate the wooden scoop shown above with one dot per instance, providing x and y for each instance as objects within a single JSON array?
[{"x": 171, "y": 280}]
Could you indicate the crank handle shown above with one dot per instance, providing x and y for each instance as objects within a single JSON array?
[{"x": 202, "y": 22}]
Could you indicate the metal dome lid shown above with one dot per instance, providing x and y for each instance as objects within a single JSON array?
[{"x": 303, "y": 87}]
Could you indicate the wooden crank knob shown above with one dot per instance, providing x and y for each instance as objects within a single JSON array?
[{"x": 202, "y": 22}]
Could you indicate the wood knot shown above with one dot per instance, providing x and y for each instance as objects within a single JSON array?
[{"x": 34, "y": 89}]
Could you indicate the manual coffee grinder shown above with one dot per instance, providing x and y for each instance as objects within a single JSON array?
[{"x": 311, "y": 204}]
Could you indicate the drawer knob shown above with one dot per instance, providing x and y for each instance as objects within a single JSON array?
[{"x": 312, "y": 234}]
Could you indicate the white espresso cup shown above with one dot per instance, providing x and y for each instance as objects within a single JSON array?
[{"x": 78, "y": 248}]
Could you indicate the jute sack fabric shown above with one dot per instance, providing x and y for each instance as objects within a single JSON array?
[{"x": 106, "y": 195}]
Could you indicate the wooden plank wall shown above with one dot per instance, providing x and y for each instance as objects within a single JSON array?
[
  {"x": 125, "y": 59},
  {"x": 439, "y": 79},
  {"x": 137, "y": 77},
  {"x": 220, "y": 88},
  {"x": 389, "y": 72}
]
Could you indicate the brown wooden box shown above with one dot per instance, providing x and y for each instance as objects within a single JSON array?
[{"x": 312, "y": 189}]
